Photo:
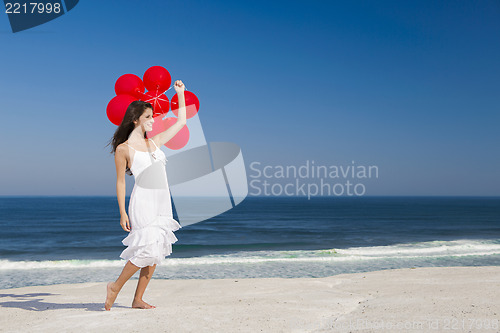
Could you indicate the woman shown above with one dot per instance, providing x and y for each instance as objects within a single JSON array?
[{"x": 151, "y": 224}]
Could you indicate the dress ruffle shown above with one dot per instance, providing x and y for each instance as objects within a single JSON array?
[{"x": 149, "y": 245}]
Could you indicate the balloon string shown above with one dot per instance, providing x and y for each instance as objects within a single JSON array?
[
  {"x": 163, "y": 93},
  {"x": 168, "y": 89}
]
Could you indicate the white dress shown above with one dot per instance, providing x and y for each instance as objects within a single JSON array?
[{"x": 150, "y": 211}]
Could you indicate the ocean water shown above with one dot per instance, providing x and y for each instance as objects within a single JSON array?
[{"x": 49, "y": 240}]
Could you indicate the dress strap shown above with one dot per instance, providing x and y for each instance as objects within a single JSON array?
[
  {"x": 154, "y": 143},
  {"x": 130, "y": 146}
]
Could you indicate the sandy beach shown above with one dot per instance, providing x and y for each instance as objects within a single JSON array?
[{"x": 431, "y": 299}]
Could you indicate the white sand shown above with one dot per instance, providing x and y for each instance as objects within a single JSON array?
[{"x": 434, "y": 299}]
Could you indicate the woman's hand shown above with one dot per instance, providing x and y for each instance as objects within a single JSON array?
[
  {"x": 179, "y": 86},
  {"x": 125, "y": 223}
]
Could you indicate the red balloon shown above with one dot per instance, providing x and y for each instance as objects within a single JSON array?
[
  {"x": 129, "y": 84},
  {"x": 157, "y": 79},
  {"x": 178, "y": 141},
  {"x": 192, "y": 104},
  {"x": 117, "y": 107},
  {"x": 160, "y": 102}
]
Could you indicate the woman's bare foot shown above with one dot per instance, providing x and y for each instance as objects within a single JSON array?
[
  {"x": 140, "y": 304},
  {"x": 110, "y": 296}
]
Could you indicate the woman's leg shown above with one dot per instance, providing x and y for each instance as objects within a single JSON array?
[
  {"x": 113, "y": 288},
  {"x": 146, "y": 274}
]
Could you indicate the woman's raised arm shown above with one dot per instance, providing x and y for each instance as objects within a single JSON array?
[{"x": 165, "y": 136}]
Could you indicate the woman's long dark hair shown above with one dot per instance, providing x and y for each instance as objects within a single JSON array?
[{"x": 134, "y": 112}]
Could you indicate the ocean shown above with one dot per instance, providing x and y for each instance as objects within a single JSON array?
[{"x": 51, "y": 240}]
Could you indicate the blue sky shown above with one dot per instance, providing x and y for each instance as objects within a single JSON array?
[{"x": 411, "y": 87}]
